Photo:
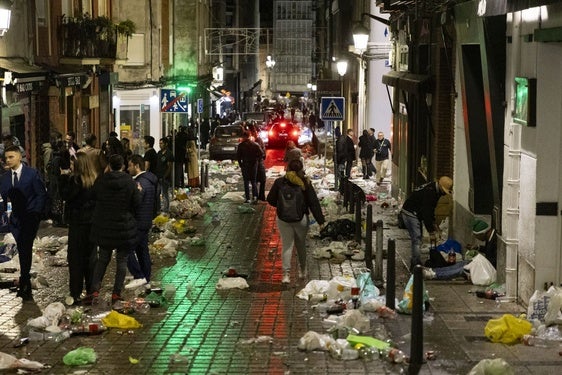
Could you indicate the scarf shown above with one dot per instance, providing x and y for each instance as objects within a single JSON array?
[{"x": 294, "y": 178}]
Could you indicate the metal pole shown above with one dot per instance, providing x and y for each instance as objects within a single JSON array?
[
  {"x": 369, "y": 239},
  {"x": 378, "y": 277},
  {"x": 206, "y": 174},
  {"x": 416, "y": 345},
  {"x": 335, "y": 152},
  {"x": 391, "y": 274},
  {"x": 198, "y": 143},
  {"x": 352, "y": 198},
  {"x": 345, "y": 194},
  {"x": 201, "y": 183},
  {"x": 358, "y": 219}
]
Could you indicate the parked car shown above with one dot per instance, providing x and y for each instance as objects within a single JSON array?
[
  {"x": 225, "y": 140},
  {"x": 281, "y": 132}
]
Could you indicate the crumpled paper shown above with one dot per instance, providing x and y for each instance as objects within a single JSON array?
[{"x": 232, "y": 283}]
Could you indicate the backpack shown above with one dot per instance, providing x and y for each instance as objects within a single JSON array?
[{"x": 290, "y": 203}]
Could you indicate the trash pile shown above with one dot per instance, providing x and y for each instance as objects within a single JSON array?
[{"x": 347, "y": 305}]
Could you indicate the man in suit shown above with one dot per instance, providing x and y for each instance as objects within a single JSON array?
[{"x": 24, "y": 188}]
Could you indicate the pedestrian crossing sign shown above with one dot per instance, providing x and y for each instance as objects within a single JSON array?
[{"x": 332, "y": 108}]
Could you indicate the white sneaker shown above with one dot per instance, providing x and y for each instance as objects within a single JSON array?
[
  {"x": 428, "y": 273},
  {"x": 136, "y": 283},
  {"x": 286, "y": 277}
]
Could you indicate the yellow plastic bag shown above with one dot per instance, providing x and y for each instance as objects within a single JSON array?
[
  {"x": 508, "y": 329},
  {"x": 117, "y": 320}
]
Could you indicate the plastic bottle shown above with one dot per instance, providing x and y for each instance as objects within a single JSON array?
[
  {"x": 349, "y": 354},
  {"x": 91, "y": 328},
  {"x": 531, "y": 340},
  {"x": 393, "y": 355},
  {"x": 366, "y": 353},
  {"x": 9, "y": 208}
]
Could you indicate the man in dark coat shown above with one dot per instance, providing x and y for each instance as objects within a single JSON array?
[
  {"x": 114, "y": 226},
  {"x": 23, "y": 188},
  {"x": 180, "y": 150},
  {"x": 139, "y": 263},
  {"x": 249, "y": 154},
  {"x": 420, "y": 208}
]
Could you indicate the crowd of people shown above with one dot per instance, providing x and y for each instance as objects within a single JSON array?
[{"x": 106, "y": 195}]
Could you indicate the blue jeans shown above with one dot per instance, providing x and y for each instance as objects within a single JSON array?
[
  {"x": 450, "y": 272},
  {"x": 139, "y": 262},
  {"x": 414, "y": 227}
]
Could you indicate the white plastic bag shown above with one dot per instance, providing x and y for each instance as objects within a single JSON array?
[
  {"x": 482, "y": 272},
  {"x": 232, "y": 283},
  {"x": 496, "y": 366}
]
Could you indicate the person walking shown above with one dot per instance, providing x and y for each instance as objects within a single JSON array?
[
  {"x": 76, "y": 187},
  {"x": 349, "y": 155},
  {"x": 261, "y": 176},
  {"x": 114, "y": 226},
  {"x": 192, "y": 160},
  {"x": 25, "y": 190},
  {"x": 139, "y": 262},
  {"x": 382, "y": 156},
  {"x": 366, "y": 152},
  {"x": 419, "y": 208},
  {"x": 164, "y": 167},
  {"x": 248, "y": 155},
  {"x": 294, "y": 233},
  {"x": 180, "y": 151}
]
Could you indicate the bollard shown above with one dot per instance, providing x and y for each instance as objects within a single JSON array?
[
  {"x": 369, "y": 239},
  {"x": 201, "y": 182},
  {"x": 416, "y": 345},
  {"x": 391, "y": 274},
  {"x": 378, "y": 276},
  {"x": 358, "y": 222},
  {"x": 206, "y": 175},
  {"x": 346, "y": 195}
]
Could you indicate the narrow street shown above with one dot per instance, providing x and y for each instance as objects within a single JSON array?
[{"x": 256, "y": 330}]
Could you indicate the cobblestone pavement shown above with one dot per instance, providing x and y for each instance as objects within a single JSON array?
[{"x": 209, "y": 331}]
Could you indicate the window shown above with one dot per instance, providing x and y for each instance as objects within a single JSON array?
[{"x": 135, "y": 124}]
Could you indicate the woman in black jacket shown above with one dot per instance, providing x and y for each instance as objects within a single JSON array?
[
  {"x": 294, "y": 232},
  {"x": 76, "y": 189}
]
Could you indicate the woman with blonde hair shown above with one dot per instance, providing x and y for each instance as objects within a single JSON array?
[{"x": 76, "y": 188}]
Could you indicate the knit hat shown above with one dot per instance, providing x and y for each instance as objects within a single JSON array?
[
  {"x": 479, "y": 227},
  {"x": 446, "y": 184}
]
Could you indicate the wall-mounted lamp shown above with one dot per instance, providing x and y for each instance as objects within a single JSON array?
[
  {"x": 361, "y": 33},
  {"x": 5, "y": 13}
]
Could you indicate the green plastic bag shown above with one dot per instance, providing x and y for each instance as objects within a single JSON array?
[
  {"x": 496, "y": 366},
  {"x": 80, "y": 356},
  {"x": 508, "y": 329}
]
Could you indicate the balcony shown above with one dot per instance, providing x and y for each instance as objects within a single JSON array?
[{"x": 85, "y": 40}]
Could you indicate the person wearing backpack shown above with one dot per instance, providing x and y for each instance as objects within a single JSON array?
[{"x": 294, "y": 198}]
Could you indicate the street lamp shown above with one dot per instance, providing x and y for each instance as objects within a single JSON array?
[
  {"x": 360, "y": 37},
  {"x": 5, "y": 13},
  {"x": 270, "y": 64},
  {"x": 341, "y": 66}
]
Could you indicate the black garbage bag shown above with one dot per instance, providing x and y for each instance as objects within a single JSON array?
[{"x": 341, "y": 229}]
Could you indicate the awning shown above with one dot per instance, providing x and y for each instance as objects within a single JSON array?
[
  {"x": 19, "y": 73},
  {"x": 414, "y": 83},
  {"x": 500, "y": 7}
]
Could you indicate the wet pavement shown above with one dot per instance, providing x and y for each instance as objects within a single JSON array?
[{"x": 256, "y": 330}]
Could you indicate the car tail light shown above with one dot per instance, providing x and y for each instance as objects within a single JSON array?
[
  {"x": 295, "y": 133},
  {"x": 271, "y": 133},
  {"x": 283, "y": 125}
]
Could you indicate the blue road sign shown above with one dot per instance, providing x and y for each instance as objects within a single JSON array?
[
  {"x": 172, "y": 100},
  {"x": 199, "y": 105},
  {"x": 332, "y": 108}
]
